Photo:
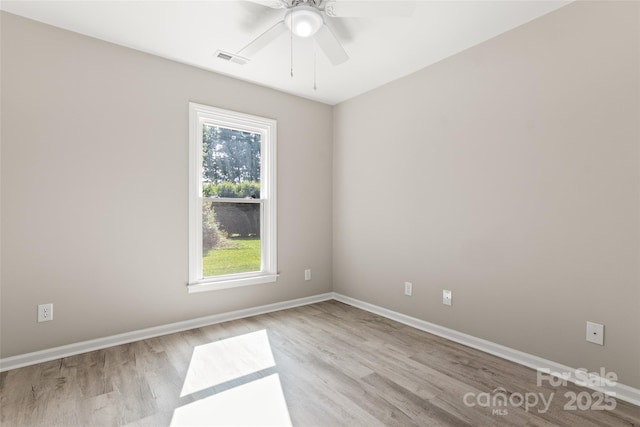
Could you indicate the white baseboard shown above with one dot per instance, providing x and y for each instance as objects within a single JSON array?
[
  {"x": 97, "y": 344},
  {"x": 619, "y": 391}
]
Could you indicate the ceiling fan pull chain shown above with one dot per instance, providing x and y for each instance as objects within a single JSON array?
[
  {"x": 291, "y": 37},
  {"x": 315, "y": 68}
]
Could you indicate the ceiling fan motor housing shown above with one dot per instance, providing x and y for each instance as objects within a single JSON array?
[{"x": 303, "y": 21}]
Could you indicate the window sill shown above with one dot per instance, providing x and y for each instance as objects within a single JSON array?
[{"x": 216, "y": 285}]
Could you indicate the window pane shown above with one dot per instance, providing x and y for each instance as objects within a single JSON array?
[
  {"x": 230, "y": 238},
  {"x": 230, "y": 163}
]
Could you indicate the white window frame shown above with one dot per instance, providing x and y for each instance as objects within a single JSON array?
[{"x": 200, "y": 115}]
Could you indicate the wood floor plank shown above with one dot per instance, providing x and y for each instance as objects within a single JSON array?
[{"x": 332, "y": 364}]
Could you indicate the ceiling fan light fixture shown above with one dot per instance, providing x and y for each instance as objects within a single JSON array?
[{"x": 303, "y": 21}]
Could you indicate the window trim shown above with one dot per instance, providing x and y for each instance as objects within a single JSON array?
[{"x": 199, "y": 115}]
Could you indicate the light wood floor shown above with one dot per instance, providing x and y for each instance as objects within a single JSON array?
[{"x": 326, "y": 364}]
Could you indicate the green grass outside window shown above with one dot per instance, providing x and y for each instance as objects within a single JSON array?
[{"x": 242, "y": 256}]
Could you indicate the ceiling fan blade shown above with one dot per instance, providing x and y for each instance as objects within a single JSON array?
[
  {"x": 255, "y": 15},
  {"x": 370, "y": 8},
  {"x": 340, "y": 28},
  {"x": 263, "y": 39},
  {"x": 331, "y": 46},
  {"x": 273, "y": 4}
]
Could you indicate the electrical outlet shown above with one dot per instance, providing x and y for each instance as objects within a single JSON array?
[
  {"x": 307, "y": 274},
  {"x": 447, "y": 297},
  {"x": 595, "y": 333},
  {"x": 45, "y": 312},
  {"x": 408, "y": 288}
]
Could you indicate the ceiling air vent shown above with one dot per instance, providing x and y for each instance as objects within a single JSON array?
[{"x": 231, "y": 57}]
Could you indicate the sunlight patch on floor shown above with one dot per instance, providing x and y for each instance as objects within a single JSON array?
[
  {"x": 257, "y": 403},
  {"x": 242, "y": 400},
  {"x": 226, "y": 360}
]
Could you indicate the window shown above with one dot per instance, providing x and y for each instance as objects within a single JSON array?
[{"x": 232, "y": 199}]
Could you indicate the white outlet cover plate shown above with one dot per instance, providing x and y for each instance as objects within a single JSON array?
[
  {"x": 447, "y": 298},
  {"x": 595, "y": 333},
  {"x": 45, "y": 312},
  {"x": 408, "y": 288}
]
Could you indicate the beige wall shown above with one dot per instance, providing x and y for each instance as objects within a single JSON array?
[
  {"x": 508, "y": 174},
  {"x": 94, "y": 188}
]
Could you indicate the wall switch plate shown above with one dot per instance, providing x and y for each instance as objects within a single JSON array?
[
  {"x": 408, "y": 288},
  {"x": 307, "y": 274},
  {"x": 595, "y": 333},
  {"x": 45, "y": 312},
  {"x": 447, "y": 297}
]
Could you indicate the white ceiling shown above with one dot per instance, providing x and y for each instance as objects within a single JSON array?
[{"x": 380, "y": 49}]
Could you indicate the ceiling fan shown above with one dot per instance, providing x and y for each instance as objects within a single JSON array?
[{"x": 307, "y": 18}]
